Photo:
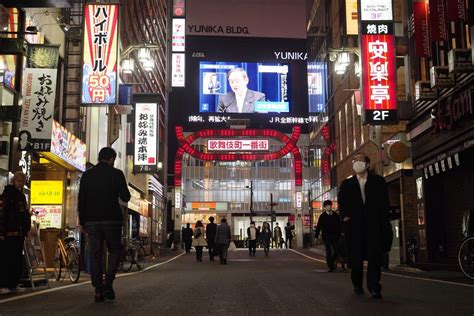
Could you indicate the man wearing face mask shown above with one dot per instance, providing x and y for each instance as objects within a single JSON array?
[
  {"x": 364, "y": 204},
  {"x": 329, "y": 223}
]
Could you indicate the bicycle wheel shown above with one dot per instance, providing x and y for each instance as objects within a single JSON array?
[
  {"x": 73, "y": 264},
  {"x": 141, "y": 258},
  {"x": 128, "y": 260},
  {"x": 58, "y": 264},
  {"x": 466, "y": 257}
]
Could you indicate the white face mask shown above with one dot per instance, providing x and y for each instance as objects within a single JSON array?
[
  {"x": 327, "y": 209},
  {"x": 359, "y": 166}
]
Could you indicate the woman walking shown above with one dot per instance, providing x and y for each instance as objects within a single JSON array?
[
  {"x": 199, "y": 241},
  {"x": 265, "y": 236}
]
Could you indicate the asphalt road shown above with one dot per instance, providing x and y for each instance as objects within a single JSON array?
[{"x": 285, "y": 283}]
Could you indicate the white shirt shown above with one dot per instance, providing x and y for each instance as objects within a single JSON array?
[
  {"x": 362, "y": 182},
  {"x": 253, "y": 233},
  {"x": 240, "y": 101}
]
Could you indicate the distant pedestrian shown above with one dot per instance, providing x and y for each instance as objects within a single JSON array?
[
  {"x": 199, "y": 242},
  {"x": 100, "y": 217},
  {"x": 265, "y": 237},
  {"x": 277, "y": 236},
  {"x": 364, "y": 204},
  {"x": 211, "y": 237},
  {"x": 187, "y": 236},
  {"x": 252, "y": 237},
  {"x": 330, "y": 225},
  {"x": 15, "y": 223},
  {"x": 223, "y": 238},
  {"x": 288, "y": 236}
]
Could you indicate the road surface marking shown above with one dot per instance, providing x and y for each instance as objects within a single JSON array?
[
  {"x": 397, "y": 275},
  {"x": 14, "y": 298}
]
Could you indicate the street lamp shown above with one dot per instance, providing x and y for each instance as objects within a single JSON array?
[
  {"x": 251, "y": 199},
  {"x": 341, "y": 58},
  {"x": 143, "y": 55}
]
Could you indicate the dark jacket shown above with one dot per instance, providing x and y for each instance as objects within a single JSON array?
[
  {"x": 211, "y": 232},
  {"x": 288, "y": 234},
  {"x": 265, "y": 235},
  {"x": 223, "y": 235},
  {"x": 99, "y": 192},
  {"x": 187, "y": 234},
  {"x": 370, "y": 222},
  {"x": 15, "y": 218},
  {"x": 330, "y": 225}
]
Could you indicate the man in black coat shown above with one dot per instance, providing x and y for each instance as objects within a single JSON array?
[
  {"x": 100, "y": 217},
  {"x": 211, "y": 237},
  {"x": 363, "y": 201},
  {"x": 187, "y": 235},
  {"x": 330, "y": 224}
]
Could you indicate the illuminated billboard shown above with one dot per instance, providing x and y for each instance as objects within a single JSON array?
[
  {"x": 99, "y": 69},
  {"x": 146, "y": 136}
]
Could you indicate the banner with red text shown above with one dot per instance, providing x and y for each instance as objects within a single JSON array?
[{"x": 421, "y": 29}]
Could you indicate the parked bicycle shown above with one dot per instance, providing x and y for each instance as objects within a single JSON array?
[
  {"x": 466, "y": 256},
  {"x": 134, "y": 254},
  {"x": 67, "y": 260}
]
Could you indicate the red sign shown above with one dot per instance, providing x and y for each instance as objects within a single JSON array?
[
  {"x": 421, "y": 29},
  {"x": 456, "y": 10},
  {"x": 379, "y": 78},
  {"x": 439, "y": 27}
]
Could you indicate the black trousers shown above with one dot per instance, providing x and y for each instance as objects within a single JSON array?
[
  {"x": 199, "y": 252},
  {"x": 252, "y": 247},
  {"x": 112, "y": 236},
  {"x": 187, "y": 245},
  {"x": 212, "y": 247},
  {"x": 288, "y": 242},
  {"x": 223, "y": 251},
  {"x": 11, "y": 263},
  {"x": 331, "y": 253},
  {"x": 374, "y": 274}
]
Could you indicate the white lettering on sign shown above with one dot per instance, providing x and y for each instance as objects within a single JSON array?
[
  {"x": 237, "y": 144},
  {"x": 378, "y": 71},
  {"x": 299, "y": 199}
]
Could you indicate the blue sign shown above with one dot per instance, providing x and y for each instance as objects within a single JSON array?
[{"x": 125, "y": 94}]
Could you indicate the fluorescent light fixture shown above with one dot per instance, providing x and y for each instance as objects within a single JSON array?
[
  {"x": 143, "y": 54},
  {"x": 148, "y": 65},
  {"x": 128, "y": 65},
  {"x": 344, "y": 58},
  {"x": 339, "y": 68},
  {"x": 357, "y": 68}
]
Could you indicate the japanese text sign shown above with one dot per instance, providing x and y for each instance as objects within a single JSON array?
[
  {"x": 146, "y": 129},
  {"x": 177, "y": 70},
  {"x": 237, "y": 144},
  {"x": 68, "y": 147},
  {"x": 46, "y": 192},
  {"x": 421, "y": 29},
  {"x": 380, "y": 10},
  {"x": 178, "y": 36},
  {"x": 99, "y": 70}
]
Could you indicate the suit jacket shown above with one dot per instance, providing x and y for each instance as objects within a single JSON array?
[
  {"x": 211, "y": 232},
  {"x": 223, "y": 234},
  {"x": 369, "y": 232},
  {"x": 99, "y": 192},
  {"x": 228, "y": 102}
]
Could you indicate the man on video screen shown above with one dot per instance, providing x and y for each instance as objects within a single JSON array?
[{"x": 241, "y": 99}]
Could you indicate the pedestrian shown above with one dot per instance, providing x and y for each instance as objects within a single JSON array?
[
  {"x": 199, "y": 241},
  {"x": 288, "y": 235},
  {"x": 330, "y": 226},
  {"x": 265, "y": 237},
  {"x": 211, "y": 237},
  {"x": 15, "y": 223},
  {"x": 100, "y": 217},
  {"x": 223, "y": 238},
  {"x": 187, "y": 236},
  {"x": 252, "y": 237},
  {"x": 277, "y": 235},
  {"x": 364, "y": 204}
]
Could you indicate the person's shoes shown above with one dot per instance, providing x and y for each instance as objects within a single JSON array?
[
  {"x": 99, "y": 296},
  {"x": 376, "y": 295},
  {"x": 4, "y": 290},
  {"x": 109, "y": 293},
  {"x": 358, "y": 291},
  {"x": 331, "y": 270},
  {"x": 225, "y": 261},
  {"x": 16, "y": 289}
]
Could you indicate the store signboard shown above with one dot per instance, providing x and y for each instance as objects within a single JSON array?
[
  {"x": 99, "y": 70},
  {"x": 146, "y": 130},
  {"x": 299, "y": 199},
  {"x": 438, "y": 22},
  {"x": 177, "y": 70},
  {"x": 380, "y": 10},
  {"x": 68, "y": 147},
  {"x": 421, "y": 31},
  {"x": 352, "y": 21},
  {"x": 48, "y": 216},
  {"x": 177, "y": 200},
  {"x": 46, "y": 192},
  {"x": 178, "y": 37},
  {"x": 237, "y": 144}
]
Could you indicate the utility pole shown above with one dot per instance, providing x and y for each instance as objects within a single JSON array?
[
  {"x": 272, "y": 213},
  {"x": 251, "y": 201}
]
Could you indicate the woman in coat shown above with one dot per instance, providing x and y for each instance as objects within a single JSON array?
[
  {"x": 15, "y": 223},
  {"x": 199, "y": 241},
  {"x": 265, "y": 236}
]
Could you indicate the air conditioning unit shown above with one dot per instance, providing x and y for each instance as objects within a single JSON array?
[
  {"x": 460, "y": 60},
  {"x": 424, "y": 91},
  {"x": 440, "y": 77}
]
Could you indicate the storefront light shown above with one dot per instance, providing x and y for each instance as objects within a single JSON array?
[
  {"x": 339, "y": 68},
  {"x": 2, "y": 66},
  {"x": 344, "y": 58},
  {"x": 144, "y": 55},
  {"x": 148, "y": 65},
  {"x": 128, "y": 65}
]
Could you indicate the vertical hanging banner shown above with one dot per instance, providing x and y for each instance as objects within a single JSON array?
[
  {"x": 100, "y": 54},
  {"x": 178, "y": 35},
  {"x": 177, "y": 69},
  {"x": 421, "y": 29},
  {"x": 352, "y": 22},
  {"x": 456, "y": 10},
  {"x": 439, "y": 26},
  {"x": 146, "y": 138},
  {"x": 39, "y": 95},
  {"x": 377, "y": 53}
]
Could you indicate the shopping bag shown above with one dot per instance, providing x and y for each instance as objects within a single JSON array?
[{"x": 232, "y": 246}]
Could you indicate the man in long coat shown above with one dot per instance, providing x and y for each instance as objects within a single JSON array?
[{"x": 363, "y": 201}]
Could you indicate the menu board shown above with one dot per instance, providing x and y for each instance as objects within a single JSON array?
[{"x": 48, "y": 216}]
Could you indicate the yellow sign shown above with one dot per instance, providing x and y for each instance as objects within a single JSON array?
[
  {"x": 46, "y": 192},
  {"x": 352, "y": 23}
]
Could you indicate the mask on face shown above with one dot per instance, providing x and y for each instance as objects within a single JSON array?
[
  {"x": 327, "y": 208},
  {"x": 359, "y": 166}
]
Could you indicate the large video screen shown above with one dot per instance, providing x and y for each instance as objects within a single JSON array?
[{"x": 244, "y": 87}]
